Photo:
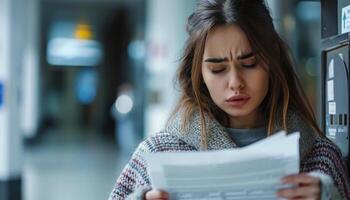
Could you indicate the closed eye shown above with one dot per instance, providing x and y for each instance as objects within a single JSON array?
[
  {"x": 249, "y": 62},
  {"x": 217, "y": 71},
  {"x": 249, "y": 65}
]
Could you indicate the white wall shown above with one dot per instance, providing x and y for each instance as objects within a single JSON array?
[
  {"x": 30, "y": 75},
  {"x": 165, "y": 38},
  {"x": 11, "y": 34}
]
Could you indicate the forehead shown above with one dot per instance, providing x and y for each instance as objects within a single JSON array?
[{"x": 226, "y": 39}]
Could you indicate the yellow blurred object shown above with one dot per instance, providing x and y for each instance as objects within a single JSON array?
[{"x": 83, "y": 31}]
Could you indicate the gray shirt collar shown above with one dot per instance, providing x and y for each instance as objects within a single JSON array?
[{"x": 247, "y": 136}]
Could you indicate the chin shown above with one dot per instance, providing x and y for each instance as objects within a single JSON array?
[{"x": 237, "y": 112}]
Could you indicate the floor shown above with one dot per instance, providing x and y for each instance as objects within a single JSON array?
[{"x": 71, "y": 164}]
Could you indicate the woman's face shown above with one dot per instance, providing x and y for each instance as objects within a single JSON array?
[{"x": 236, "y": 80}]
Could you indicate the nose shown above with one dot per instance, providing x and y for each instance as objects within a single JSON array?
[{"x": 235, "y": 81}]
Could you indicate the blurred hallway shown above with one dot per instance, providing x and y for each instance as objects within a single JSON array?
[
  {"x": 84, "y": 80},
  {"x": 71, "y": 164}
]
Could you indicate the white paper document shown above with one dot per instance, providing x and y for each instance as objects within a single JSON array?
[{"x": 251, "y": 172}]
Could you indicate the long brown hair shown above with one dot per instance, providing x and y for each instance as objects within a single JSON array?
[{"x": 253, "y": 17}]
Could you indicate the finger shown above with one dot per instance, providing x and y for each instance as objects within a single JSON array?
[
  {"x": 304, "y": 192},
  {"x": 300, "y": 179},
  {"x": 157, "y": 194}
]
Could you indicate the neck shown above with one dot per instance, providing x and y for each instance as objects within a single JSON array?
[{"x": 253, "y": 120}]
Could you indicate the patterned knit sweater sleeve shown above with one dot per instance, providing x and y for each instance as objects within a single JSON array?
[
  {"x": 326, "y": 158},
  {"x": 133, "y": 177},
  {"x": 134, "y": 180}
]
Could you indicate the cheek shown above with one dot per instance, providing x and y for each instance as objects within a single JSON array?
[
  {"x": 265, "y": 83},
  {"x": 261, "y": 84},
  {"x": 216, "y": 89}
]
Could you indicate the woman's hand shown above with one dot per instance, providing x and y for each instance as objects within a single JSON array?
[
  {"x": 156, "y": 195},
  {"x": 308, "y": 187}
]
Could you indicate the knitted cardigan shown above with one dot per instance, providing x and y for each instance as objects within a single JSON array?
[{"x": 316, "y": 153}]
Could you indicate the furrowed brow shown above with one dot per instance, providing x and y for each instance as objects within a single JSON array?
[{"x": 216, "y": 60}]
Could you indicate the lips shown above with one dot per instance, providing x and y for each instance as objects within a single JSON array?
[{"x": 238, "y": 100}]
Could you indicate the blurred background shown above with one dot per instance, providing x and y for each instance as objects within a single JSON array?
[{"x": 82, "y": 82}]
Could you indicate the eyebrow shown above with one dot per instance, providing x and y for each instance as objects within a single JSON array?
[
  {"x": 216, "y": 60},
  {"x": 220, "y": 60}
]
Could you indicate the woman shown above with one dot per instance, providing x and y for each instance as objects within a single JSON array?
[{"x": 238, "y": 86}]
